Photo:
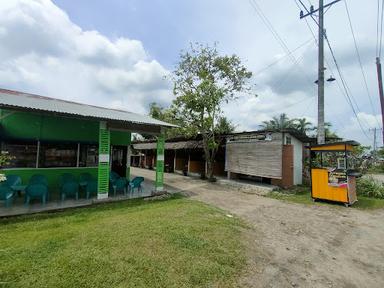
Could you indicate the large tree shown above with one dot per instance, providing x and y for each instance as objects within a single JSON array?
[{"x": 203, "y": 81}]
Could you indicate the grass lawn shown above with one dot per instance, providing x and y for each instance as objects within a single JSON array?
[
  {"x": 302, "y": 195},
  {"x": 172, "y": 243}
]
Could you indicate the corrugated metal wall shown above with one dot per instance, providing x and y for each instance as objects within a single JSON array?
[{"x": 255, "y": 157}]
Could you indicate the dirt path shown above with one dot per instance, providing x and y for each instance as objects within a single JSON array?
[{"x": 293, "y": 245}]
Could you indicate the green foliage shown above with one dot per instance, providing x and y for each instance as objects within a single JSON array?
[
  {"x": 380, "y": 152},
  {"x": 5, "y": 158},
  {"x": 376, "y": 168},
  {"x": 282, "y": 121},
  {"x": 223, "y": 126},
  {"x": 278, "y": 123},
  {"x": 329, "y": 134},
  {"x": 358, "y": 160},
  {"x": 173, "y": 243},
  {"x": 302, "y": 125},
  {"x": 369, "y": 187},
  {"x": 166, "y": 115},
  {"x": 203, "y": 81}
]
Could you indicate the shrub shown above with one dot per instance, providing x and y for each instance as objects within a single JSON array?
[{"x": 369, "y": 187}]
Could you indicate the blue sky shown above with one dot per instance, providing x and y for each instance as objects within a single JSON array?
[{"x": 116, "y": 53}]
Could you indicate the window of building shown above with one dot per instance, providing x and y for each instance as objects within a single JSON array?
[
  {"x": 288, "y": 140},
  {"x": 89, "y": 155},
  {"x": 57, "y": 155},
  {"x": 23, "y": 153}
]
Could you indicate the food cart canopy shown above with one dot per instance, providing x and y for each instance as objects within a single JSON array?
[{"x": 337, "y": 146}]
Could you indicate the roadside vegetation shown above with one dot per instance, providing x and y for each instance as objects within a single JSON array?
[
  {"x": 173, "y": 243},
  {"x": 302, "y": 195}
]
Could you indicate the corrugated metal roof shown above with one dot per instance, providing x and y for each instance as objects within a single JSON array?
[
  {"x": 169, "y": 145},
  {"x": 20, "y": 100}
]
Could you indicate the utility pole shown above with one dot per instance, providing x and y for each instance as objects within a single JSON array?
[
  {"x": 321, "y": 68},
  {"x": 375, "y": 130},
  {"x": 380, "y": 80},
  {"x": 320, "y": 87},
  {"x": 374, "y": 140}
]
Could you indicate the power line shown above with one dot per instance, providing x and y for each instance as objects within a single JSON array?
[
  {"x": 359, "y": 59},
  {"x": 276, "y": 35},
  {"x": 281, "y": 58},
  {"x": 286, "y": 76},
  {"x": 346, "y": 89}
]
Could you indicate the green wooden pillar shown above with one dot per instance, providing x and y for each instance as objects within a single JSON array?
[
  {"x": 104, "y": 165},
  {"x": 159, "y": 185}
]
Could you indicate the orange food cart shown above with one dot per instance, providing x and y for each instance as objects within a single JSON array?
[{"x": 332, "y": 172}]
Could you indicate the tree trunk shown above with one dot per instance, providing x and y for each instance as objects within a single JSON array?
[
  {"x": 209, "y": 158},
  {"x": 210, "y": 164}
]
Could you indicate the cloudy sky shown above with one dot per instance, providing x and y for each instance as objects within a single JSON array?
[{"x": 116, "y": 53}]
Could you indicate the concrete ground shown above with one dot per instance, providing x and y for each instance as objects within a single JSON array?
[
  {"x": 54, "y": 203},
  {"x": 294, "y": 245}
]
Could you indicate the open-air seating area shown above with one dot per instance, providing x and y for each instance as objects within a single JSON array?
[{"x": 71, "y": 191}]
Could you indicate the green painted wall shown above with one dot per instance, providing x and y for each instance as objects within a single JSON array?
[
  {"x": 52, "y": 174},
  {"x": 28, "y": 125},
  {"x": 35, "y": 126}
]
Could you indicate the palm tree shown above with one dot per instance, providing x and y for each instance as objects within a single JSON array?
[
  {"x": 302, "y": 125},
  {"x": 278, "y": 123},
  {"x": 327, "y": 131}
]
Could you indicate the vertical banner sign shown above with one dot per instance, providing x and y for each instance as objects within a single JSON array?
[
  {"x": 160, "y": 163},
  {"x": 103, "y": 169}
]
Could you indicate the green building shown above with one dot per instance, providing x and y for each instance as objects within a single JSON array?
[{"x": 50, "y": 136}]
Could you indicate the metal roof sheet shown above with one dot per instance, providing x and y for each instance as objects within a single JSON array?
[
  {"x": 169, "y": 145},
  {"x": 25, "y": 101}
]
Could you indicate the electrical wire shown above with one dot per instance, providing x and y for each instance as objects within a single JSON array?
[
  {"x": 359, "y": 60},
  {"x": 281, "y": 58},
  {"x": 276, "y": 35},
  {"x": 345, "y": 91},
  {"x": 346, "y": 88}
]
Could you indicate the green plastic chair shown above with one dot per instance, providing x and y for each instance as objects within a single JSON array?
[
  {"x": 36, "y": 191},
  {"x": 120, "y": 185},
  {"x": 38, "y": 179},
  {"x": 85, "y": 177},
  {"x": 91, "y": 188},
  {"x": 70, "y": 188},
  {"x": 6, "y": 194},
  {"x": 136, "y": 183},
  {"x": 113, "y": 176},
  {"x": 66, "y": 177},
  {"x": 13, "y": 180}
]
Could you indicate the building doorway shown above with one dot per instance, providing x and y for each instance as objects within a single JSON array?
[{"x": 119, "y": 160}]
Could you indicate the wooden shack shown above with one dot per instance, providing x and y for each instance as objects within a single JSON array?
[
  {"x": 271, "y": 157},
  {"x": 264, "y": 156}
]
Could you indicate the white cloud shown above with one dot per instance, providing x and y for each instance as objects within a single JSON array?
[
  {"x": 44, "y": 52},
  {"x": 367, "y": 121}
]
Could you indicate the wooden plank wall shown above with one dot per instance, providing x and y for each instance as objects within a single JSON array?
[{"x": 255, "y": 157}]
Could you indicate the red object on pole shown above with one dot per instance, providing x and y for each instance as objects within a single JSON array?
[{"x": 380, "y": 80}]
